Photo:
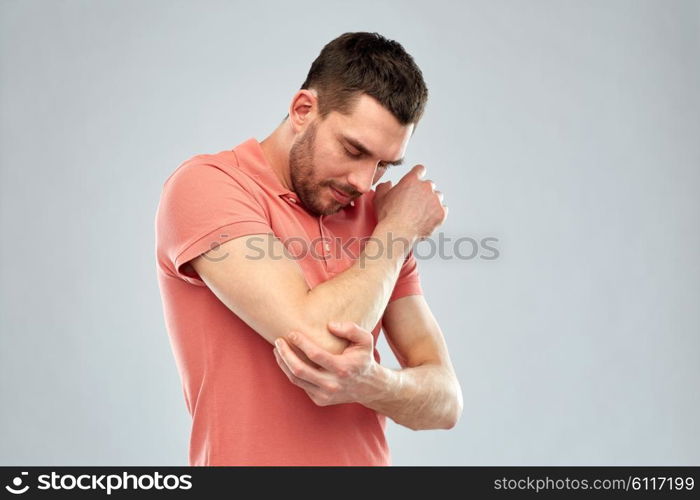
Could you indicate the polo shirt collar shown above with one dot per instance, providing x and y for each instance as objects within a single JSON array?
[{"x": 251, "y": 159}]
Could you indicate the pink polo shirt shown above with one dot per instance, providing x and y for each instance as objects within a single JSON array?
[{"x": 244, "y": 409}]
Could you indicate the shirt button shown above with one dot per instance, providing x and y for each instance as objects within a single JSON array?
[
  {"x": 352, "y": 203},
  {"x": 327, "y": 246},
  {"x": 292, "y": 199}
]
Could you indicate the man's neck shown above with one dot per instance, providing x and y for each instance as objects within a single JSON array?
[{"x": 276, "y": 149}]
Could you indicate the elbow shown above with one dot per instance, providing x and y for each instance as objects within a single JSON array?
[
  {"x": 319, "y": 334},
  {"x": 452, "y": 419},
  {"x": 456, "y": 408},
  {"x": 314, "y": 325},
  {"x": 448, "y": 420},
  {"x": 450, "y": 406},
  {"x": 329, "y": 342}
]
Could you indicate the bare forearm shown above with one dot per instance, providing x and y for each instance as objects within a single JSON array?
[
  {"x": 361, "y": 293},
  {"x": 423, "y": 397}
]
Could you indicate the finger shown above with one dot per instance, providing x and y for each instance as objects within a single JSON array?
[
  {"x": 307, "y": 386},
  {"x": 439, "y": 195},
  {"x": 315, "y": 396},
  {"x": 351, "y": 331},
  {"x": 418, "y": 170},
  {"x": 315, "y": 353},
  {"x": 382, "y": 188},
  {"x": 297, "y": 366},
  {"x": 432, "y": 184}
]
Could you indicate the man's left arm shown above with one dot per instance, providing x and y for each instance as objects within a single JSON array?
[{"x": 423, "y": 394}]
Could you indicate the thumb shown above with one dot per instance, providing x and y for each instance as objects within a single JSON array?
[
  {"x": 419, "y": 170},
  {"x": 382, "y": 188},
  {"x": 351, "y": 331}
]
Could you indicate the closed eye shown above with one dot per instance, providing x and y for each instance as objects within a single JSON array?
[
  {"x": 352, "y": 155},
  {"x": 358, "y": 155}
]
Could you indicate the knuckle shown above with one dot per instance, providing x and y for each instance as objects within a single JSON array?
[{"x": 347, "y": 371}]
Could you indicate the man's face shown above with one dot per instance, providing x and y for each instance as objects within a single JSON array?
[{"x": 329, "y": 155}]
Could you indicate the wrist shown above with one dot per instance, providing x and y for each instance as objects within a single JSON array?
[
  {"x": 396, "y": 234},
  {"x": 385, "y": 383},
  {"x": 398, "y": 228}
]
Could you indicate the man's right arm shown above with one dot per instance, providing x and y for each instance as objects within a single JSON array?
[{"x": 272, "y": 297}]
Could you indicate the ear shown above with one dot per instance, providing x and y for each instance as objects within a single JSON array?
[{"x": 303, "y": 109}]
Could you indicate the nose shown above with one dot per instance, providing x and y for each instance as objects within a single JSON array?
[{"x": 362, "y": 177}]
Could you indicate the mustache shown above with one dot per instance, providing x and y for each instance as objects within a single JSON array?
[{"x": 352, "y": 193}]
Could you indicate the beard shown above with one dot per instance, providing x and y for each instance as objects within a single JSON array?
[{"x": 301, "y": 172}]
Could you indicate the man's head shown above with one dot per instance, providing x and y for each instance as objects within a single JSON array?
[{"x": 352, "y": 118}]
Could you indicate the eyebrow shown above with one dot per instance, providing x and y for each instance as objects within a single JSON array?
[{"x": 358, "y": 145}]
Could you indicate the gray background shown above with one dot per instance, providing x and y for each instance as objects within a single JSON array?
[{"x": 567, "y": 130}]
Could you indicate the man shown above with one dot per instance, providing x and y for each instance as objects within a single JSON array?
[{"x": 271, "y": 242}]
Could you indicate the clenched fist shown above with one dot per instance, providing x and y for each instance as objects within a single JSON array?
[{"x": 412, "y": 206}]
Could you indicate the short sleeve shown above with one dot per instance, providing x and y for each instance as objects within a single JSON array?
[
  {"x": 408, "y": 282},
  {"x": 202, "y": 206}
]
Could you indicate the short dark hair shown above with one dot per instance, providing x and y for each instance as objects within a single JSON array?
[{"x": 362, "y": 62}]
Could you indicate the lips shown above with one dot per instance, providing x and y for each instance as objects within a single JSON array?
[{"x": 340, "y": 196}]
